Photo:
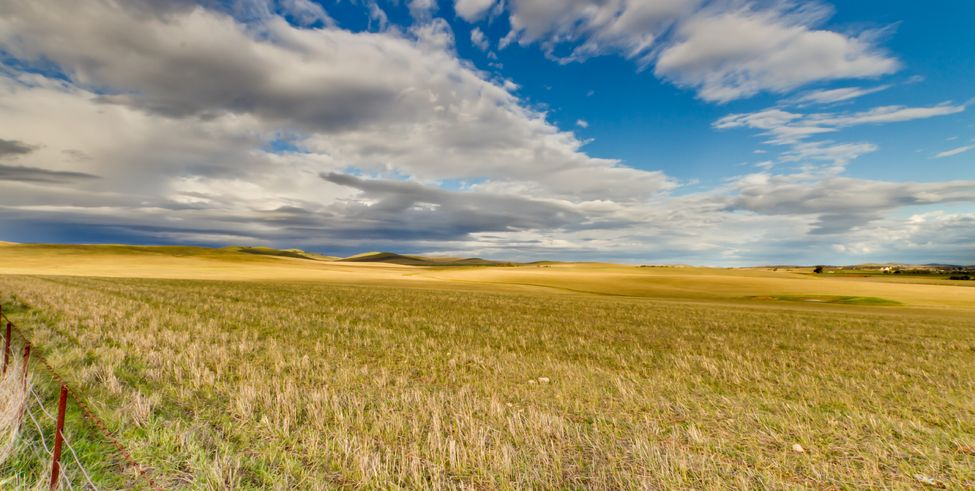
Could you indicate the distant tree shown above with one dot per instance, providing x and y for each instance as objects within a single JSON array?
[{"x": 818, "y": 270}]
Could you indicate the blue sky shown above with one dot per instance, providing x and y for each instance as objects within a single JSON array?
[{"x": 708, "y": 132}]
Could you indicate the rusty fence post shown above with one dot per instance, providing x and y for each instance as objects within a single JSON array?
[
  {"x": 58, "y": 438},
  {"x": 6, "y": 348},
  {"x": 26, "y": 361},
  {"x": 23, "y": 407}
]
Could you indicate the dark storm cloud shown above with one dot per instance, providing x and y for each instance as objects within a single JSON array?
[
  {"x": 33, "y": 174},
  {"x": 407, "y": 208},
  {"x": 14, "y": 148}
]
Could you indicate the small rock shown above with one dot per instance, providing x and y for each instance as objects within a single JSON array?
[
  {"x": 798, "y": 448},
  {"x": 543, "y": 380}
]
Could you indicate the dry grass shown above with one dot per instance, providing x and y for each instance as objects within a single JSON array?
[
  {"x": 12, "y": 398},
  {"x": 705, "y": 284},
  {"x": 308, "y": 385}
]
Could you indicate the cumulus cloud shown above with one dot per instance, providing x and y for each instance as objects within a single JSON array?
[
  {"x": 479, "y": 39},
  {"x": 594, "y": 27},
  {"x": 841, "y": 203},
  {"x": 730, "y": 54},
  {"x": 935, "y": 235},
  {"x": 422, "y": 9},
  {"x": 472, "y": 10},
  {"x": 190, "y": 122},
  {"x": 723, "y": 50},
  {"x": 202, "y": 63},
  {"x": 378, "y": 15},
  {"x": 306, "y": 12}
]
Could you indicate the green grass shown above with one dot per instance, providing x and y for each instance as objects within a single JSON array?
[{"x": 223, "y": 384}]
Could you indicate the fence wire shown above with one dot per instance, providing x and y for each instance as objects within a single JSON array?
[{"x": 65, "y": 480}]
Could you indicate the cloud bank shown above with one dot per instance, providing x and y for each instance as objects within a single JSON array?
[{"x": 266, "y": 123}]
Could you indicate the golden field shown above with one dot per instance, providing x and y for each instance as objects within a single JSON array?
[{"x": 223, "y": 369}]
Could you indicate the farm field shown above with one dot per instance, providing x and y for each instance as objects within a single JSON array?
[{"x": 224, "y": 369}]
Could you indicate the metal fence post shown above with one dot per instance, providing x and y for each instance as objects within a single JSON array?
[
  {"x": 6, "y": 348},
  {"x": 58, "y": 438}
]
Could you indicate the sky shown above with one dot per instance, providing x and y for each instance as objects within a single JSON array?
[{"x": 668, "y": 131}]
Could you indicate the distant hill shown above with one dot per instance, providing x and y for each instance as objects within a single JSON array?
[
  {"x": 234, "y": 253},
  {"x": 906, "y": 266},
  {"x": 394, "y": 258},
  {"x": 295, "y": 253}
]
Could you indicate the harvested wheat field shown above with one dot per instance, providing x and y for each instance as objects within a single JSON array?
[{"x": 509, "y": 377}]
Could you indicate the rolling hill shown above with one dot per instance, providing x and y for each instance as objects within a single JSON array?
[{"x": 394, "y": 258}]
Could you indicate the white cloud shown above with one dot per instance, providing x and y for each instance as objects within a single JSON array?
[
  {"x": 188, "y": 121},
  {"x": 936, "y": 236},
  {"x": 472, "y": 10},
  {"x": 787, "y": 127},
  {"x": 724, "y": 50},
  {"x": 306, "y": 12},
  {"x": 730, "y": 54},
  {"x": 954, "y": 151},
  {"x": 838, "y": 154},
  {"x": 422, "y": 9},
  {"x": 794, "y": 129},
  {"x": 172, "y": 118},
  {"x": 839, "y": 203},
  {"x": 593, "y": 27},
  {"x": 887, "y": 114},
  {"x": 378, "y": 15},
  {"x": 582, "y": 123},
  {"x": 479, "y": 39},
  {"x": 782, "y": 126},
  {"x": 829, "y": 96}
]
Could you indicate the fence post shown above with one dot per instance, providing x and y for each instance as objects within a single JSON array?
[
  {"x": 6, "y": 348},
  {"x": 58, "y": 438},
  {"x": 26, "y": 360}
]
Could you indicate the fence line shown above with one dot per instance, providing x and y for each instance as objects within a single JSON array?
[{"x": 31, "y": 352}]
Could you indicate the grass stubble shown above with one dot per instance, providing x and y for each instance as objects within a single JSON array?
[{"x": 227, "y": 384}]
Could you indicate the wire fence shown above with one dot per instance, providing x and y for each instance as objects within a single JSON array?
[{"x": 52, "y": 446}]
